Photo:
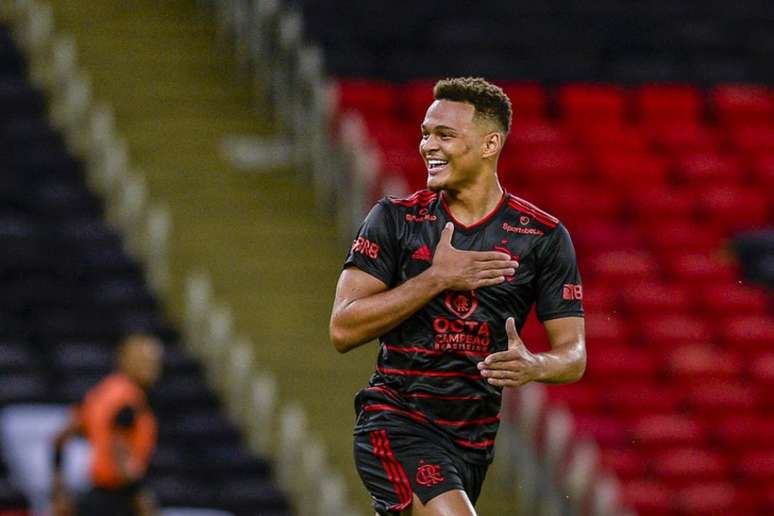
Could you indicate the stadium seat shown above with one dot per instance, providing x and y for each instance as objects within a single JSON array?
[
  {"x": 650, "y": 497},
  {"x": 698, "y": 267},
  {"x": 598, "y": 137},
  {"x": 610, "y": 364},
  {"x": 748, "y": 333},
  {"x": 624, "y": 266},
  {"x": 648, "y": 297},
  {"x": 753, "y": 139},
  {"x": 591, "y": 103},
  {"x": 657, "y": 431},
  {"x": 710, "y": 168},
  {"x": 416, "y": 96},
  {"x": 735, "y": 104},
  {"x": 661, "y": 103},
  {"x": 631, "y": 172},
  {"x": 634, "y": 397},
  {"x": 685, "y": 466},
  {"x": 697, "y": 364},
  {"x": 372, "y": 99},
  {"x": 718, "y": 399},
  {"x": 537, "y": 134},
  {"x": 676, "y": 138},
  {"x": 626, "y": 463},
  {"x": 529, "y": 100},
  {"x": 554, "y": 165},
  {"x": 709, "y": 497},
  {"x": 664, "y": 331},
  {"x": 721, "y": 299},
  {"x": 732, "y": 208},
  {"x": 743, "y": 433}
]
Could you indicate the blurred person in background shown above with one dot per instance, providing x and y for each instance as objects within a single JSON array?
[
  {"x": 444, "y": 279},
  {"x": 118, "y": 423}
]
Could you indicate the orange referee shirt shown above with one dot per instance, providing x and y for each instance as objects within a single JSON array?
[{"x": 98, "y": 416}]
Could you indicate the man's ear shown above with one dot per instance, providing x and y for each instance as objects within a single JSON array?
[{"x": 493, "y": 142}]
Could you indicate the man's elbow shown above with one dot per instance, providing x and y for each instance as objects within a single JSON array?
[
  {"x": 340, "y": 338},
  {"x": 579, "y": 364}
]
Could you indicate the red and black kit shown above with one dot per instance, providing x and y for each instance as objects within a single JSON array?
[{"x": 426, "y": 375}]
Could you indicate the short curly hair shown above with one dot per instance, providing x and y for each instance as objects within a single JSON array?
[{"x": 490, "y": 100}]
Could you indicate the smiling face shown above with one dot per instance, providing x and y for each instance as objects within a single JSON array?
[{"x": 454, "y": 145}]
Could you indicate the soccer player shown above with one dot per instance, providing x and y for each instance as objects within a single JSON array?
[
  {"x": 121, "y": 429},
  {"x": 444, "y": 279}
]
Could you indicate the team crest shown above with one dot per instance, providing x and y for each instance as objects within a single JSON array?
[
  {"x": 429, "y": 474},
  {"x": 461, "y": 304}
]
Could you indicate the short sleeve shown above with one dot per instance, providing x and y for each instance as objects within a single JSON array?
[
  {"x": 375, "y": 249},
  {"x": 559, "y": 287}
]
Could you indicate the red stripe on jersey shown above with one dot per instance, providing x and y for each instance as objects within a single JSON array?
[
  {"x": 426, "y": 351},
  {"x": 382, "y": 450},
  {"x": 441, "y": 397},
  {"x": 481, "y": 222},
  {"x": 413, "y": 372},
  {"x": 390, "y": 392},
  {"x": 422, "y": 197},
  {"x": 416, "y": 416},
  {"x": 530, "y": 209},
  {"x": 468, "y": 422},
  {"x": 472, "y": 444}
]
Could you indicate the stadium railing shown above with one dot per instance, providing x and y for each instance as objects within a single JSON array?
[{"x": 89, "y": 130}]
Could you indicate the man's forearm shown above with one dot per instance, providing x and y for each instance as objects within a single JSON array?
[
  {"x": 563, "y": 364},
  {"x": 361, "y": 320}
]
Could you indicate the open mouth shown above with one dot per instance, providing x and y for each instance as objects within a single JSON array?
[{"x": 436, "y": 165}]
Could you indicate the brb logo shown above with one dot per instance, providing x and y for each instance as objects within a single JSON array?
[
  {"x": 429, "y": 474},
  {"x": 571, "y": 291},
  {"x": 458, "y": 333},
  {"x": 366, "y": 248}
]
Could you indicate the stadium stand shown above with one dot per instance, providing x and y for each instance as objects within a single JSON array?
[
  {"x": 654, "y": 147},
  {"x": 69, "y": 292}
]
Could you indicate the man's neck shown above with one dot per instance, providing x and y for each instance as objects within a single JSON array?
[{"x": 475, "y": 202}]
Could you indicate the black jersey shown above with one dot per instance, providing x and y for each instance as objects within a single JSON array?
[{"x": 426, "y": 368}]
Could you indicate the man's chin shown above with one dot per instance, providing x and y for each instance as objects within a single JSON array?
[{"x": 434, "y": 184}]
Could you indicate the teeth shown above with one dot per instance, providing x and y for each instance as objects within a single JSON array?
[{"x": 436, "y": 162}]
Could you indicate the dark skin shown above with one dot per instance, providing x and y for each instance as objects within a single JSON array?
[
  {"x": 461, "y": 150},
  {"x": 139, "y": 358}
]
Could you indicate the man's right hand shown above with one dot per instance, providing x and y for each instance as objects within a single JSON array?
[{"x": 469, "y": 270}]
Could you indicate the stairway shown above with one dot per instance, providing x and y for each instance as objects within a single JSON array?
[{"x": 176, "y": 92}]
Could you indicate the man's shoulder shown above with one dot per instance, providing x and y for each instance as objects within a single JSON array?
[
  {"x": 530, "y": 217},
  {"x": 420, "y": 206},
  {"x": 419, "y": 199}
]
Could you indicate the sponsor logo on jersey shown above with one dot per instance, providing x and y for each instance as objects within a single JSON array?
[
  {"x": 429, "y": 474},
  {"x": 523, "y": 220},
  {"x": 571, "y": 292},
  {"x": 422, "y": 216},
  {"x": 366, "y": 248},
  {"x": 510, "y": 228},
  {"x": 461, "y": 304},
  {"x": 423, "y": 254}
]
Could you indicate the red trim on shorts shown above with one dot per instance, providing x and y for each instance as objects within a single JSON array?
[
  {"x": 425, "y": 351},
  {"x": 377, "y": 407},
  {"x": 472, "y": 444},
  {"x": 469, "y": 422},
  {"x": 395, "y": 472},
  {"x": 414, "y": 372}
]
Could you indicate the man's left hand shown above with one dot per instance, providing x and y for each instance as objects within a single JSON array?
[{"x": 513, "y": 367}]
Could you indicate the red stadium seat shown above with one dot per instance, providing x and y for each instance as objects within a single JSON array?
[
  {"x": 596, "y": 137},
  {"x": 763, "y": 172},
  {"x": 580, "y": 397},
  {"x": 689, "y": 465},
  {"x": 528, "y": 100},
  {"x": 391, "y": 133},
  {"x": 658, "y": 203},
  {"x": 668, "y": 102},
  {"x": 537, "y": 134},
  {"x": 605, "y": 236},
  {"x": 754, "y": 139},
  {"x": 742, "y": 103},
  {"x": 698, "y": 267},
  {"x": 757, "y": 466},
  {"x": 624, "y": 265},
  {"x": 607, "y": 431},
  {"x": 748, "y": 332},
  {"x": 664, "y": 331},
  {"x": 680, "y": 233},
  {"x": 718, "y": 399},
  {"x": 703, "y": 168},
  {"x": 373, "y": 99},
  {"x": 550, "y": 166},
  {"x": 709, "y": 499},
  {"x": 583, "y": 204},
  {"x": 631, "y": 399},
  {"x": 415, "y": 98},
  {"x": 606, "y": 331},
  {"x": 591, "y": 102},
  {"x": 762, "y": 369},
  {"x": 631, "y": 171},
  {"x": 655, "y": 432},
  {"x": 648, "y": 497},
  {"x": 626, "y": 463},
  {"x": 696, "y": 364},
  {"x": 674, "y": 138},
  {"x": 650, "y": 297},
  {"x": 600, "y": 299},
  {"x": 734, "y": 208},
  {"x": 610, "y": 364},
  {"x": 743, "y": 432},
  {"x": 721, "y": 299}
]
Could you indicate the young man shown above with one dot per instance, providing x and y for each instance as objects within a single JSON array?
[
  {"x": 121, "y": 429},
  {"x": 444, "y": 278}
]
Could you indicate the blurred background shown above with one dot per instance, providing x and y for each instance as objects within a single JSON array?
[{"x": 196, "y": 169}]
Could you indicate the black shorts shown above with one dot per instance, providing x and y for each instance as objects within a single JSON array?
[
  {"x": 397, "y": 461},
  {"x": 101, "y": 502}
]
